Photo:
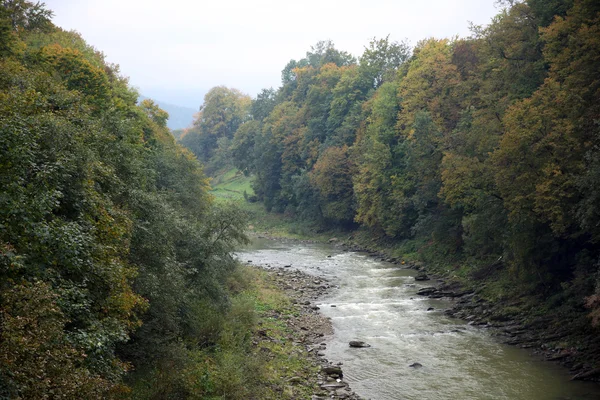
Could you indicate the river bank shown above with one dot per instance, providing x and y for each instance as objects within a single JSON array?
[
  {"x": 308, "y": 331},
  {"x": 561, "y": 335},
  {"x": 564, "y": 336},
  {"x": 416, "y": 350}
]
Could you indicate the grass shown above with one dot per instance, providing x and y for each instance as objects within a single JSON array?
[
  {"x": 272, "y": 354},
  {"x": 231, "y": 185}
]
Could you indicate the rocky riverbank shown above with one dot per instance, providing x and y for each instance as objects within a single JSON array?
[
  {"x": 567, "y": 339},
  {"x": 564, "y": 338},
  {"x": 309, "y": 331}
]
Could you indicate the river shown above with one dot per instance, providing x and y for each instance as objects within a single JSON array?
[{"x": 376, "y": 303}]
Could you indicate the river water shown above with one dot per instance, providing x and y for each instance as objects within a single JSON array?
[{"x": 376, "y": 303}]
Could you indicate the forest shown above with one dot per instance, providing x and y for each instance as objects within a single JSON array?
[
  {"x": 479, "y": 154},
  {"x": 114, "y": 259},
  {"x": 117, "y": 275}
]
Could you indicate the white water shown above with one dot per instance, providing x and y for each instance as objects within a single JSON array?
[{"x": 376, "y": 303}]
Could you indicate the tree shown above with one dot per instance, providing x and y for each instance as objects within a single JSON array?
[
  {"x": 331, "y": 177},
  {"x": 431, "y": 84},
  {"x": 379, "y": 163},
  {"x": 381, "y": 60},
  {"x": 263, "y": 104},
  {"x": 324, "y": 52},
  {"x": 221, "y": 114},
  {"x": 108, "y": 236},
  {"x": 155, "y": 113},
  {"x": 242, "y": 146},
  {"x": 27, "y": 15}
]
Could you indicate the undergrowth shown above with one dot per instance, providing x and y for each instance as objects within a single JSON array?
[{"x": 251, "y": 353}]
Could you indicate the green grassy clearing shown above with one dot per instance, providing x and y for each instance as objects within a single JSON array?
[{"x": 231, "y": 185}]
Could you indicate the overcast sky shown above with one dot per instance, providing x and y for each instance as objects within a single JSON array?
[{"x": 176, "y": 50}]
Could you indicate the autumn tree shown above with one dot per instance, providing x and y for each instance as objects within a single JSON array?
[
  {"x": 221, "y": 114},
  {"x": 332, "y": 178}
]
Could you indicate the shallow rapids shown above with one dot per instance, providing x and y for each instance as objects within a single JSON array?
[{"x": 376, "y": 303}]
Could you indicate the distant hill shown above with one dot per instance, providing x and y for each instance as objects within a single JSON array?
[{"x": 179, "y": 117}]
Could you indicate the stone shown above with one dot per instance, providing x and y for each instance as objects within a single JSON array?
[
  {"x": 586, "y": 374},
  {"x": 426, "y": 291},
  {"x": 333, "y": 386},
  {"x": 358, "y": 343},
  {"x": 332, "y": 370}
]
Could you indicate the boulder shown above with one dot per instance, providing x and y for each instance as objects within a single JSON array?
[
  {"x": 332, "y": 370},
  {"x": 358, "y": 343}
]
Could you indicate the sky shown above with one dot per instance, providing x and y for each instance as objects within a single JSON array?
[{"x": 175, "y": 51}]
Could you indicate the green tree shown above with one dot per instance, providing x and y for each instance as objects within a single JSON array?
[
  {"x": 332, "y": 178},
  {"x": 381, "y": 59},
  {"x": 221, "y": 114},
  {"x": 27, "y": 15}
]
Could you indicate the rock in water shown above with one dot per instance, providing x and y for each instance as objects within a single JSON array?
[
  {"x": 416, "y": 365},
  {"x": 332, "y": 370},
  {"x": 358, "y": 343}
]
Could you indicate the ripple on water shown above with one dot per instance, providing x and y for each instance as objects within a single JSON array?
[{"x": 464, "y": 365}]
